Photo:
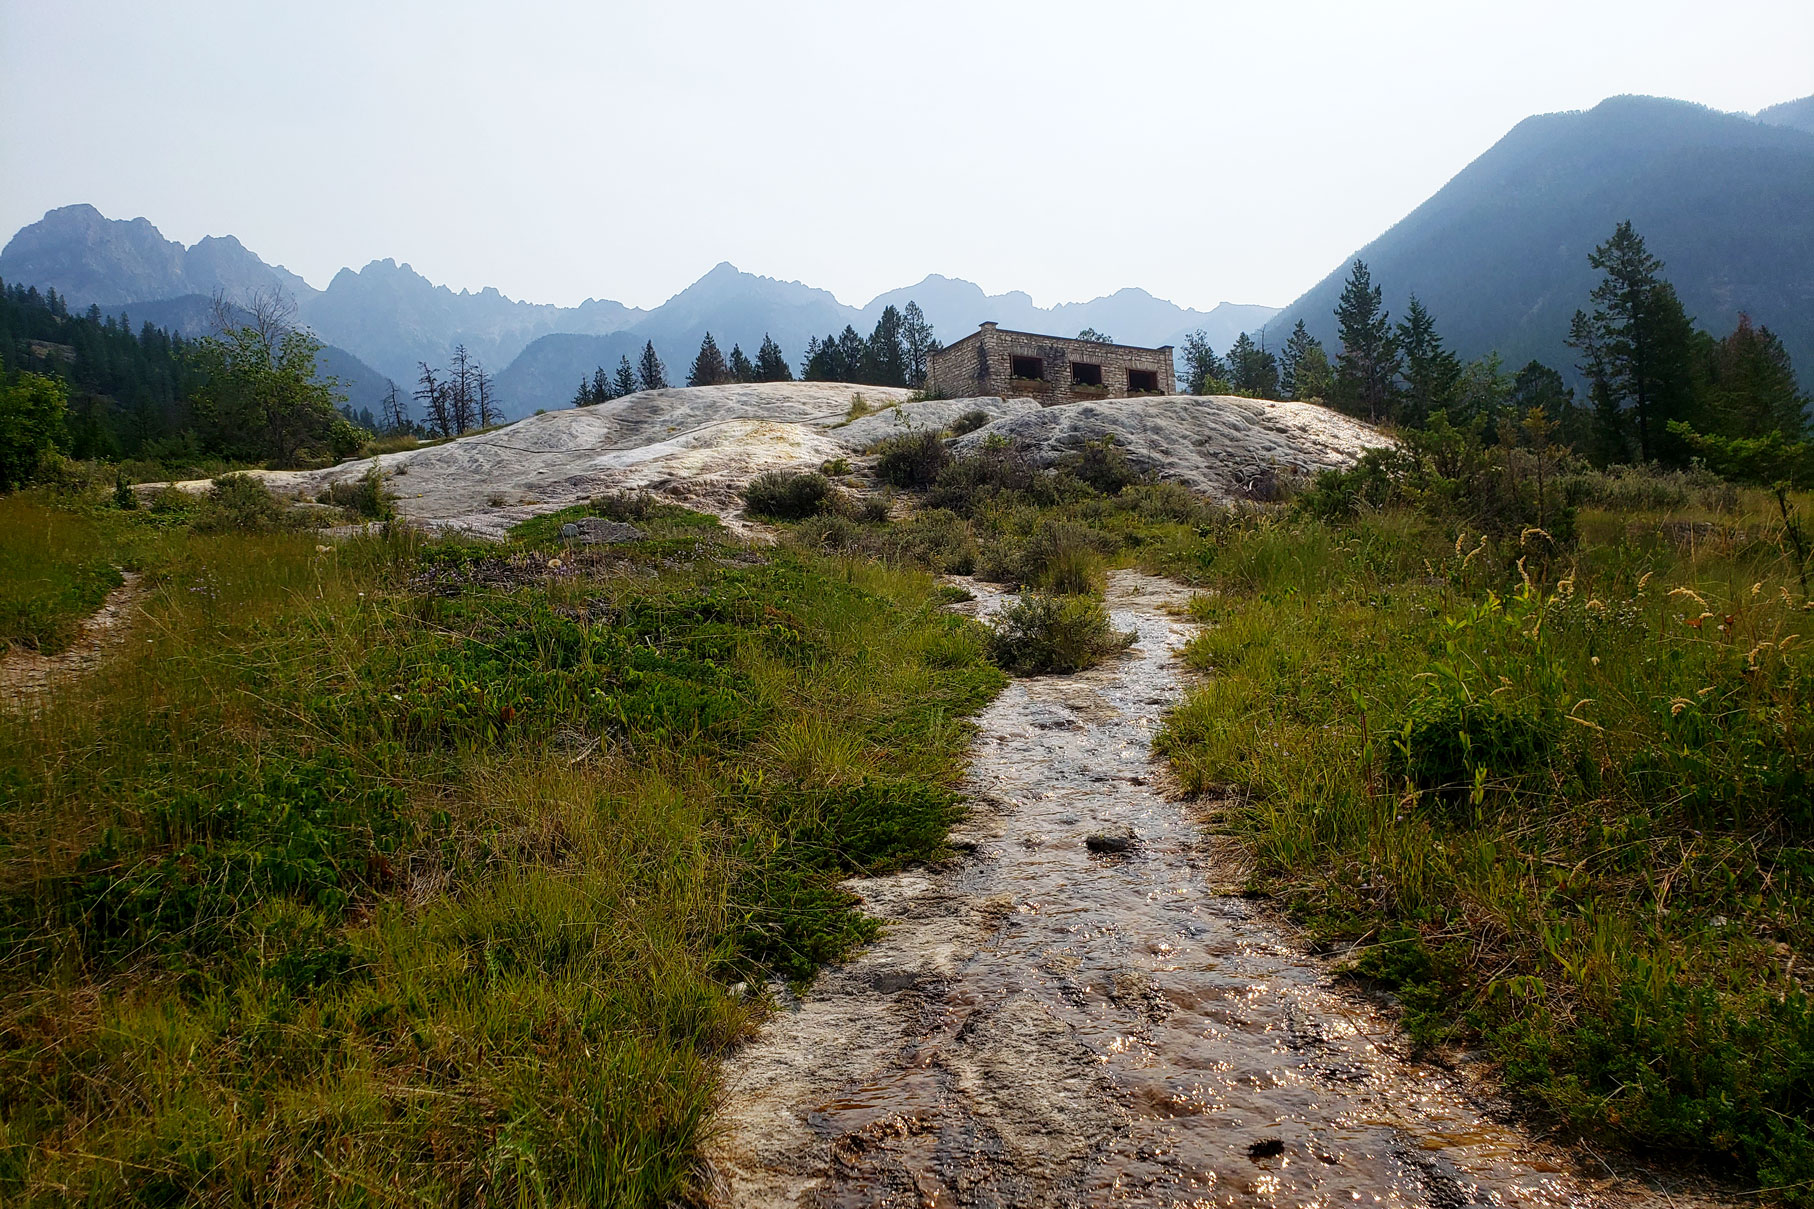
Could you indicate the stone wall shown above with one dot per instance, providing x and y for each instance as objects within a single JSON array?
[{"x": 983, "y": 363}]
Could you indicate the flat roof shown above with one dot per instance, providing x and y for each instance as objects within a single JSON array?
[{"x": 1008, "y": 331}]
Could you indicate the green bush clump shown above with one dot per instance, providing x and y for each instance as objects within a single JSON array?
[
  {"x": 1104, "y": 466},
  {"x": 912, "y": 459},
  {"x": 365, "y": 496},
  {"x": 240, "y": 502},
  {"x": 969, "y": 422},
  {"x": 1042, "y": 633},
  {"x": 788, "y": 495},
  {"x": 1054, "y": 555}
]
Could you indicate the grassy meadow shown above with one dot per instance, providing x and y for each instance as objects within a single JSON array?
[
  {"x": 402, "y": 872},
  {"x": 1557, "y": 799}
]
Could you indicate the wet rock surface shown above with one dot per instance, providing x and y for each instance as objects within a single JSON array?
[{"x": 1041, "y": 1026}]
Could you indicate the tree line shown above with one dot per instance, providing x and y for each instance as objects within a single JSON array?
[
  {"x": 87, "y": 386},
  {"x": 1655, "y": 382},
  {"x": 894, "y": 354}
]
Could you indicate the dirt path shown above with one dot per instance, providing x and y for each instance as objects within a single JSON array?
[
  {"x": 1042, "y": 1025},
  {"x": 25, "y": 674}
]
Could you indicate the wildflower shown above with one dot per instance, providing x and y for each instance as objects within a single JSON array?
[
  {"x": 1595, "y": 660},
  {"x": 1756, "y": 588},
  {"x": 1690, "y": 593},
  {"x": 1595, "y": 606},
  {"x": 1524, "y": 538},
  {"x": 554, "y": 564},
  {"x": 1677, "y": 705},
  {"x": 323, "y": 549},
  {"x": 1645, "y": 580}
]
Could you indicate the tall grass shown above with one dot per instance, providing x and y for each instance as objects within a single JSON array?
[
  {"x": 56, "y": 567},
  {"x": 399, "y": 873},
  {"x": 1557, "y": 798}
]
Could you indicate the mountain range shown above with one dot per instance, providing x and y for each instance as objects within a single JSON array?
[
  {"x": 1499, "y": 254},
  {"x": 380, "y": 321}
]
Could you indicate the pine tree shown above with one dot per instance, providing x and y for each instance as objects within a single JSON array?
[
  {"x": 650, "y": 372},
  {"x": 1296, "y": 345},
  {"x": 624, "y": 383},
  {"x": 1429, "y": 370},
  {"x": 739, "y": 365},
  {"x": 602, "y": 390},
  {"x": 1539, "y": 386},
  {"x": 1751, "y": 387},
  {"x": 1203, "y": 370},
  {"x": 1091, "y": 334},
  {"x": 1636, "y": 342},
  {"x": 919, "y": 342},
  {"x": 771, "y": 366},
  {"x": 1368, "y": 361},
  {"x": 1313, "y": 379},
  {"x": 1252, "y": 371},
  {"x": 884, "y": 358},
  {"x": 709, "y": 368}
]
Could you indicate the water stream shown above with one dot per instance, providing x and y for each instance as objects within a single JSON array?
[{"x": 1045, "y": 1025}]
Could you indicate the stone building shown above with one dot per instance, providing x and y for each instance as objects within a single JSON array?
[{"x": 990, "y": 361}]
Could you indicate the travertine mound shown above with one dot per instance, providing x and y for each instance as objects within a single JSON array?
[
  {"x": 700, "y": 446},
  {"x": 1221, "y": 445}
]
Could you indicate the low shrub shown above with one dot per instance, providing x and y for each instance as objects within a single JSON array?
[
  {"x": 912, "y": 459},
  {"x": 1104, "y": 466},
  {"x": 364, "y": 496},
  {"x": 1053, "y": 555},
  {"x": 240, "y": 502},
  {"x": 969, "y": 422},
  {"x": 788, "y": 495},
  {"x": 1042, "y": 633}
]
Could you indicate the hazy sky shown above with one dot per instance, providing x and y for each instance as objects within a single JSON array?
[{"x": 1204, "y": 151}]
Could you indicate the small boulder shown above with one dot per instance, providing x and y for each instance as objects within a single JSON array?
[{"x": 1111, "y": 841}]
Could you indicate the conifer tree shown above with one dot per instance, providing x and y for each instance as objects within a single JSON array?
[
  {"x": 1751, "y": 387},
  {"x": 624, "y": 382},
  {"x": 1368, "y": 361},
  {"x": 709, "y": 368},
  {"x": 918, "y": 342},
  {"x": 1296, "y": 345},
  {"x": 602, "y": 390},
  {"x": 1313, "y": 379},
  {"x": 1636, "y": 342},
  {"x": 739, "y": 365},
  {"x": 771, "y": 366},
  {"x": 1429, "y": 370},
  {"x": 1203, "y": 370},
  {"x": 1252, "y": 371},
  {"x": 650, "y": 372},
  {"x": 884, "y": 359}
]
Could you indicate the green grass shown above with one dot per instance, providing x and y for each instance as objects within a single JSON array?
[
  {"x": 56, "y": 567},
  {"x": 406, "y": 873},
  {"x": 1568, "y": 817}
]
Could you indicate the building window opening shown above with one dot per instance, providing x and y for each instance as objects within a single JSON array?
[
  {"x": 1027, "y": 367},
  {"x": 1143, "y": 381},
  {"x": 1085, "y": 374}
]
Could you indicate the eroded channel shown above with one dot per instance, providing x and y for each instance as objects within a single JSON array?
[{"x": 1044, "y": 1025}]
